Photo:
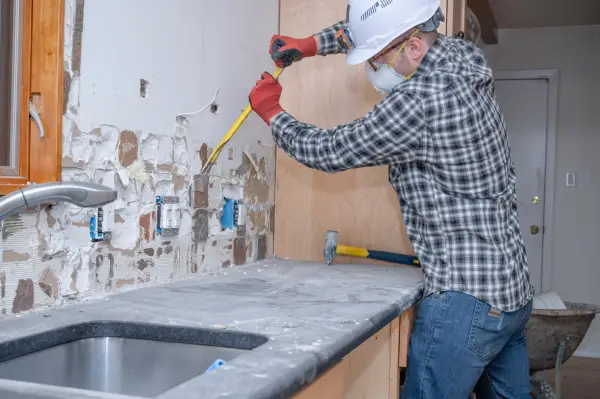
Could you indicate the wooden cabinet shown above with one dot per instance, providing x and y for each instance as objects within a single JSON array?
[
  {"x": 325, "y": 91},
  {"x": 372, "y": 370}
]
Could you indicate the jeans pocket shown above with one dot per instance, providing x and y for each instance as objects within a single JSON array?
[
  {"x": 526, "y": 313},
  {"x": 486, "y": 335}
]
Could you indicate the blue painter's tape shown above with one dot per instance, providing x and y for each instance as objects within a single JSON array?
[{"x": 216, "y": 364}]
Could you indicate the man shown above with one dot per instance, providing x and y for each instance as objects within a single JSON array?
[{"x": 442, "y": 133}]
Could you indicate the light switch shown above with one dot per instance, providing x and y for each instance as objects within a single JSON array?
[
  {"x": 168, "y": 215},
  {"x": 571, "y": 179}
]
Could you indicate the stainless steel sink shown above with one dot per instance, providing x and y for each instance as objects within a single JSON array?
[{"x": 132, "y": 359}]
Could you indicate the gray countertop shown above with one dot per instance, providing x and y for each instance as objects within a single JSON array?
[{"x": 312, "y": 314}]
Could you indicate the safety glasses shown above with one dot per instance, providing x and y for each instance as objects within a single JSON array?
[{"x": 372, "y": 62}]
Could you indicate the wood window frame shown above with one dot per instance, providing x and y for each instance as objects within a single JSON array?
[{"x": 42, "y": 82}]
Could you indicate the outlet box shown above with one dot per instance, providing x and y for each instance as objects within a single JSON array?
[
  {"x": 102, "y": 223},
  {"x": 233, "y": 214},
  {"x": 168, "y": 216},
  {"x": 96, "y": 224},
  {"x": 228, "y": 216}
]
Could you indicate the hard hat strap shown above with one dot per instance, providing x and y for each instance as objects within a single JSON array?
[
  {"x": 401, "y": 47},
  {"x": 432, "y": 23}
]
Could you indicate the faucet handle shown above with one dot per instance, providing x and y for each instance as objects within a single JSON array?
[{"x": 83, "y": 194}]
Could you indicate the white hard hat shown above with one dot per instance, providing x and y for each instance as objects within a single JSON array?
[{"x": 374, "y": 24}]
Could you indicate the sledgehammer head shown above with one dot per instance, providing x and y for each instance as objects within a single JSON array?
[{"x": 331, "y": 242}]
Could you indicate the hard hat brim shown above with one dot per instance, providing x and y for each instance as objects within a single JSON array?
[{"x": 358, "y": 55}]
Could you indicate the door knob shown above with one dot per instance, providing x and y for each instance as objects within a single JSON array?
[
  {"x": 535, "y": 199},
  {"x": 534, "y": 229}
]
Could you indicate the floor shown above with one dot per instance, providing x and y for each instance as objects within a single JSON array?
[{"x": 580, "y": 378}]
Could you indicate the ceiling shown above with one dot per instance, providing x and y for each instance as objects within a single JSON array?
[{"x": 512, "y": 14}]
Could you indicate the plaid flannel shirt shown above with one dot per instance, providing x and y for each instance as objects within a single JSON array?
[{"x": 443, "y": 136}]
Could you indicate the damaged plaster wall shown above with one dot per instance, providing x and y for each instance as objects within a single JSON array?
[{"x": 126, "y": 82}]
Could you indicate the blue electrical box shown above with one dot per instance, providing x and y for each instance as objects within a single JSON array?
[{"x": 228, "y": 217}]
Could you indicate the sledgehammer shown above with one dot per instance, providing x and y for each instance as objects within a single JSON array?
[{"x": 332, "y": 249}]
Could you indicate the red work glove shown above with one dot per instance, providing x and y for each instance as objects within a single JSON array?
[
  {"x": 264, "y": 97},
  {"x": 285, "y": 50}
]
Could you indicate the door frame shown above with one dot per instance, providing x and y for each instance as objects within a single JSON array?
[{"x": 552, "y": 77}]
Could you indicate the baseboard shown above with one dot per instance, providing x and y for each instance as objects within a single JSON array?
[{"x": 592, "y": 354}]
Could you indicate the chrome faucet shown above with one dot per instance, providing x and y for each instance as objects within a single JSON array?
[{"x": 83, "y": 194}]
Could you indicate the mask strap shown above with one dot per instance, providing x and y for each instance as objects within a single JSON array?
[{"x": 402, "y": 47}]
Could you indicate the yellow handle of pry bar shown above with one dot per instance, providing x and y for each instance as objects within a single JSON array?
[{"x": 242, "y": 118}]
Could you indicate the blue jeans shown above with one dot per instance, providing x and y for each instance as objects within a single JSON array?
[{"x": 459, "y": 342}]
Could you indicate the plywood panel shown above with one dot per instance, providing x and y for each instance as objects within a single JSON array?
[
  {"x": 407, "y": 321},
  {"x": 324, "y": 91},
  {"x": 364, "y": 373},
  {"x": 395, "y": 359},
  {"x": 456, "y": 16},
  {"x": 360, "y": 204}
]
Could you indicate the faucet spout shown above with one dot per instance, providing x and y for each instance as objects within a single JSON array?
[{"x": 83, "y": 194}]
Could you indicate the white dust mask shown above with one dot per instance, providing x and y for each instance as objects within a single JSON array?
[
  {"x": 382, "y": 76},
  {"x": 384, "y": 79}
]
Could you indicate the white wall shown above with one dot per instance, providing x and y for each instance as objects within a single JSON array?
[
  {"x": 575, "y": 52},
  {"x": 186, "y": 49}
]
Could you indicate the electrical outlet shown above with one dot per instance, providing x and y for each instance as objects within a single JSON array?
[
  {"x": 109, "y": 221},
  {"x": 102, "y": 223},
  {"x": 240, "y": 214},
  {"x": 168, "y": 216},
  {"x": 96, "y": 226}
]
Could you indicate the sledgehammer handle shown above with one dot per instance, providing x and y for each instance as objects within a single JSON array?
[
  {"x": 394, "y": 258},
  {"x": 378, "y": 255}
]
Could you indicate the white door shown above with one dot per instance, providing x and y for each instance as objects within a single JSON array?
[{"x": 525, "y": 107}]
